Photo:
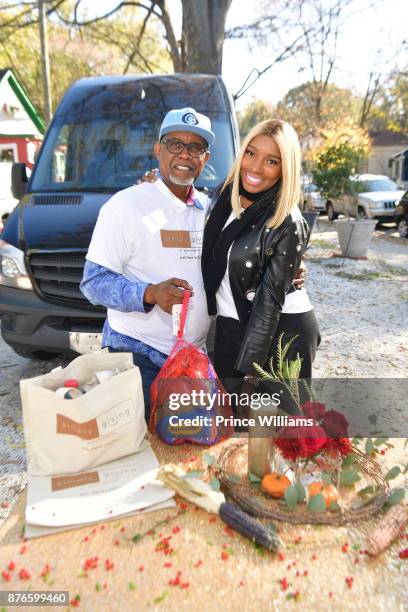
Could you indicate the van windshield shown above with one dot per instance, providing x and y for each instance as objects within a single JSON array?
[{"x": 85, "y": 153}]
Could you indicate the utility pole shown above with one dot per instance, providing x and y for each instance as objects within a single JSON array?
[{"x": 45, "y": 61}]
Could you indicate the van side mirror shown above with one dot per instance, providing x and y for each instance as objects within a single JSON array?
[{"x": 19, "y": 180}]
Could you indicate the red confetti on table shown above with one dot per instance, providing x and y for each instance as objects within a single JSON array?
[
  {"x": 24, "y": 574},
  {"x": 349, "y": 581},
  {"x": 284, "y": 584}
]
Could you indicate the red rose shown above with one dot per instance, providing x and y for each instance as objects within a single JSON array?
[
  {"x": 335, "y": 424},
  {"x": 313, "y": 410},
  {"x": 342, "y": 445},
  {"x": 300, "y": 441}
]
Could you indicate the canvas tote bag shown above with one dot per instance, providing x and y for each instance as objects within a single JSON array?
[{"x": 71, "y": 435}]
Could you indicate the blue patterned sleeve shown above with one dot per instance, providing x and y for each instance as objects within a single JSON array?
[{"x": 106, "y": 288}]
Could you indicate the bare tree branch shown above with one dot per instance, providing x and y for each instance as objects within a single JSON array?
[
  {"x": 282, "y": 56},
  {"x": 76, "y": 22}
]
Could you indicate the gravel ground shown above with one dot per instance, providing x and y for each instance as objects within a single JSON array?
[{"x": 362, "y": 308}]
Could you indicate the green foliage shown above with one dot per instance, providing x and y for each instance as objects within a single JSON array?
[
  {"x": 291, "y": 497},
  {"x": 334, "y": 167},
  {"x": 316, "y": 503},
  {"x": 349, "y": 477},
  {"x": 285, "y": 371},
  {"x": 111, "y": 46},
  {"x": 314, "y": 105},
  {"x": 254, "y": 112}
]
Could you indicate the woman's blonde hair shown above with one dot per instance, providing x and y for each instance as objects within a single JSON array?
[{"x": 288, "y": 143}]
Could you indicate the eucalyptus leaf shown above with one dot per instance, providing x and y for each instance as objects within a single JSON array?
[
  {"x": 334, "y": 506},
  {"x": 233, "y": 478},
  {"x": 316, "y": 503},
  {"x": 349, "y": 477},
  {"x": 380, "y": 441},
  {"x": 348, "y": 461},
  {"x": 396, "y": 497},
  {"x": 326, "y": 477},
  {"x": 393, "y": 473},
  {"x": 369, "y": 446},
  {"x": 301, "y": 493},
  {"x": 208, "y": 459},
  {"x": 291, "y": 497},
  {"x": 215, "y": 484},
  {"x": 193, "y": 474},
  {"x": 366, "y": 491},
  {"x": 254, "y": 478}
]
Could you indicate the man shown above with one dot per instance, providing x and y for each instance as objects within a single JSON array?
[{"x": 144, "y": 236}]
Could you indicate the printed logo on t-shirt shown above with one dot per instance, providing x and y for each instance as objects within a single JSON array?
[{"x": 181, "y": 239}]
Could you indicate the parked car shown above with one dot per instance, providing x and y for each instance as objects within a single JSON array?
[
  {"x": 377, "y": 198},
  {"x": 100, "y": 141},
  {"x": 401, "y": 216},
  {"x": 7, "y": 201},
  {"x": 312, "y": 199}
]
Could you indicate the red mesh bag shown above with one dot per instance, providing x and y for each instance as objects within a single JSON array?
[{"x": 188, "y": 401}]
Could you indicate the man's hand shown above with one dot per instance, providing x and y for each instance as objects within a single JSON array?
[
  {"x": 299, "y": 281},
  {"x": 167, "y": 293}
]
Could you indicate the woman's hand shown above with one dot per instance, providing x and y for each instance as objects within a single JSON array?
[
  {"x": 300, "y": 277},
  {"x": 150, "y": 176}
]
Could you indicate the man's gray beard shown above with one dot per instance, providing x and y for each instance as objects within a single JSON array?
[{"x": 181, "y": 182}]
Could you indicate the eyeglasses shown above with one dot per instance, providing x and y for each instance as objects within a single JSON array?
[{"x": 177, "y": 146}]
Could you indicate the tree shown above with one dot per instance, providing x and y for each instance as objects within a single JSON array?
[
  {"x": 254, "y": 112},
  {"x": 102, "y": 48},
  {"x": 298, "y": 107},
  {"x": 341, "y": 156},
  {"x": 391, "y": 110}
]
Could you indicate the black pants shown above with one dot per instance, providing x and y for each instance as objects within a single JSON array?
[{"x": 229, "y": 334}]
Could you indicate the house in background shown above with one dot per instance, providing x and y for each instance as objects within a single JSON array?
[
  {"x": 21, "y": 125},
  {"x": 399, "y": 168},
  {"x": 384, "y": 146}
]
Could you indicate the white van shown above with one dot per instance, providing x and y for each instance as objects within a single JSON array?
[{"x": 7, "y": 201}]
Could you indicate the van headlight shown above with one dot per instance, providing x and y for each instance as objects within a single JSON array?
[{"x": 13, "y": 272}]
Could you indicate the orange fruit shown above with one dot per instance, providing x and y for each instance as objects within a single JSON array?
[
  {"x": 328, "y": 491},
  {"x": 275, "y": 484}
]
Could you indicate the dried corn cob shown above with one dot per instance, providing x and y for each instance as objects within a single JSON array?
[
  {"x": 249, "y": 527},
  {"x": 387, "y": 530}
]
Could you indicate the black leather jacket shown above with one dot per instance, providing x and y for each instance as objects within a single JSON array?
[{"x": 262, "y": 266}]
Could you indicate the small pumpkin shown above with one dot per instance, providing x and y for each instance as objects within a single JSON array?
[
  {"x": 275, "y": 484},
  {"x": 328, "y": 491}
]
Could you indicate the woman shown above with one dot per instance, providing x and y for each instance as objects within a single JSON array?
[{"x": 254, "y": 240}]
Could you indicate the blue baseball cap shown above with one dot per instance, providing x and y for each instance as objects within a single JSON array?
[{"x": 187, "y": 120}]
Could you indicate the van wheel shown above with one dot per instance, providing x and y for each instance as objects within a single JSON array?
[
  {"x": 361, "y": 213},
  {"x": 403, "y": 228},
  {"x": 37, "y": 355},
  {"x": 331, "y": 214}
]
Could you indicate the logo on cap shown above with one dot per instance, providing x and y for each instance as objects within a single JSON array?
[{"x": 190, "y": 119}]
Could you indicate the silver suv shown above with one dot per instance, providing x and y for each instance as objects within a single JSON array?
[{"x": 377, "y": 198}]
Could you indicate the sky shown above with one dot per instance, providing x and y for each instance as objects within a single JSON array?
[{"x": 373, "y": 30}]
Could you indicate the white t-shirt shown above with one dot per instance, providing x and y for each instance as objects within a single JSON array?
[
  {"x": 145, "y": 232},
  {"x": 295, "y": 303}
]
